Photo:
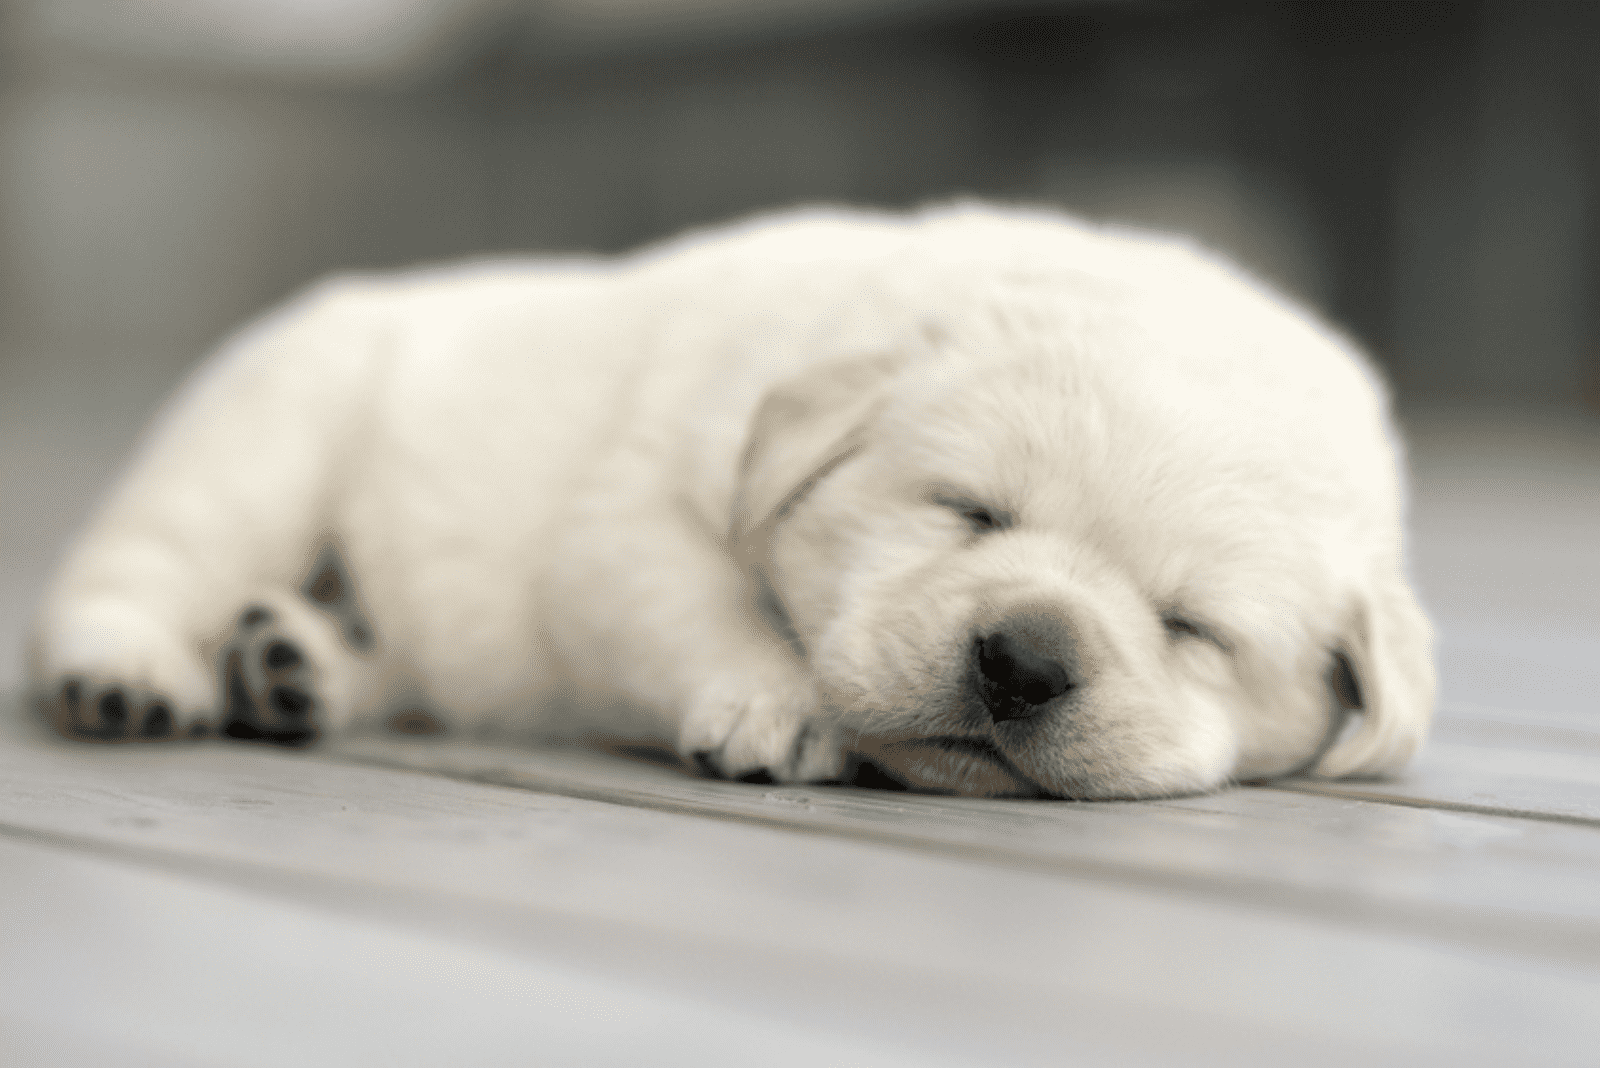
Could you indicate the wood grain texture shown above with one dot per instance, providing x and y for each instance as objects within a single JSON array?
[{"x": 842, "y": 925}]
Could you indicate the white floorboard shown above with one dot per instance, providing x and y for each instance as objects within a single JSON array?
[{"x": 900, "y": 929}]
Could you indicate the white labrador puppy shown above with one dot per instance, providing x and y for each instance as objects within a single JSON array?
[{"x": 1009, "y": 504}]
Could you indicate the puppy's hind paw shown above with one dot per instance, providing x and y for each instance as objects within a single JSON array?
[
  {"x": 267, "y": 683},
  {"x": 116, "y": 712},
  {"x": 105, "y": 671}
]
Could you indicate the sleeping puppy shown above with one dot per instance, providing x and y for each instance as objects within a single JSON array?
[{"x": 1002, "y": 502}]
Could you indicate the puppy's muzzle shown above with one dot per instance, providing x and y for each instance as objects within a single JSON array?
[{"x": 1024, "y": 663}]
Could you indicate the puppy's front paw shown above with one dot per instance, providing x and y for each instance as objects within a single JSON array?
[{"x": 736, "y": 731}]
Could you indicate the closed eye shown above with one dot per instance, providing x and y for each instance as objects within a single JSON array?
[
  {"x": 980, "y": 518},
  {"x": 1180, "y": 626}
]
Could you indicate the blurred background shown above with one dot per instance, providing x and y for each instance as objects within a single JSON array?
[{"x": 1426, "y": 174}]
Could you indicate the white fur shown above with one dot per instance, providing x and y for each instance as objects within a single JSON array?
[{"x": 557, "y": 486}]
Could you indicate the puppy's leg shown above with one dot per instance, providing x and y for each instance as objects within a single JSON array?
[
  {"x": 227, "y": 497},
  {"x": 648, "y": 608}
]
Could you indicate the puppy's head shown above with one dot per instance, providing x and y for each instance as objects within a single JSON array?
[{"x": 1066, "y": 553}]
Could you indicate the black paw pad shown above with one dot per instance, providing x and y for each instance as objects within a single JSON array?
[
  {"x": 245, "y": 731},
  {"x": 68, "y": 712},
  {"x": 71, "y": 716},
  {"x": 289, "y": 701},
  {"x": 281, "y": 656},
  {"x": 254, "y": 616},
  {"x": 157, "y": 722},
  {"x": 113, "y": 713},
  {"x": 759, "y": 777}
]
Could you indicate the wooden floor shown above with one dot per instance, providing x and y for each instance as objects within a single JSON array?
[{"x": 391, "y": 902}]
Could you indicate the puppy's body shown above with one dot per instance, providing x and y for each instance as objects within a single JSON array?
[{"x": 1011, "y": 504}]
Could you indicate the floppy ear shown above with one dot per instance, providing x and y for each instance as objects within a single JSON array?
[
  {"x": 803, "y": 429},
  {"x": 1384, "y": 672}
]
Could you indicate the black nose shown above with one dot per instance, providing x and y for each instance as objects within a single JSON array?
[{"x": 1016, "y": 678}]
